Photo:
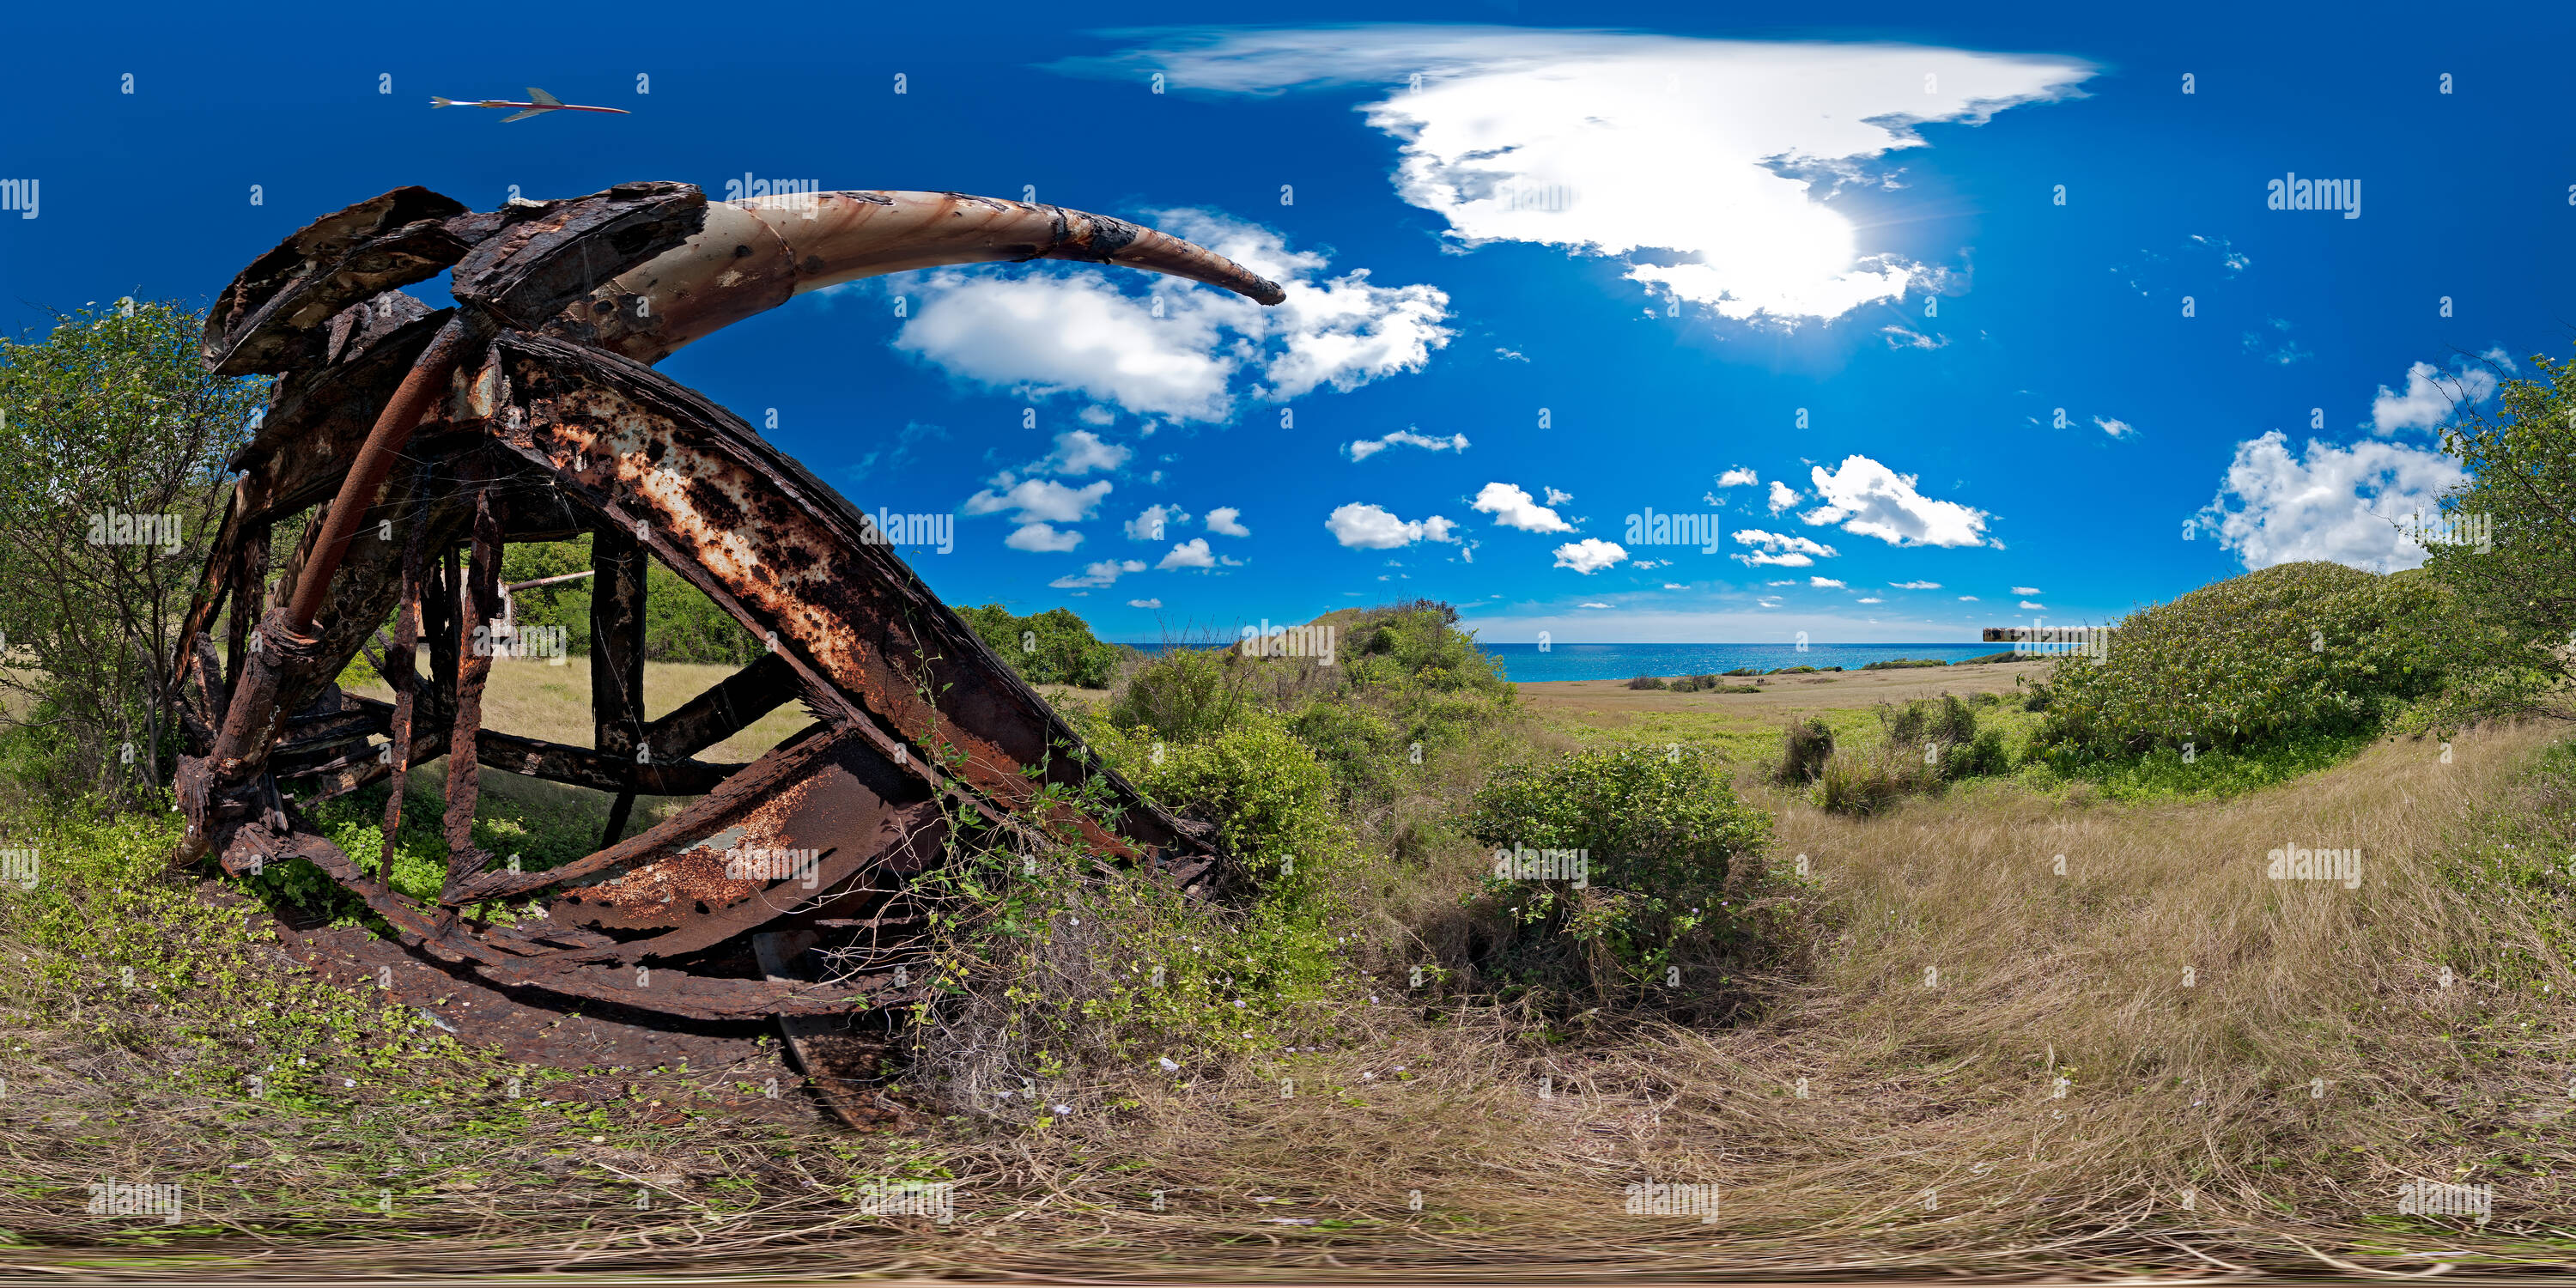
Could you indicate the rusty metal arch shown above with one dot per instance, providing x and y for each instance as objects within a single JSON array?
[{"x": 529, "y": 411}]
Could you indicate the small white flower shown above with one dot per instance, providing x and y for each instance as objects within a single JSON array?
[
  {"x": 1168, "y": 1066},
  {"x": 1064, "y": 1109}
]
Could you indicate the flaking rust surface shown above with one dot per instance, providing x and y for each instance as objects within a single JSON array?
[{"x": 691, "y": 882}]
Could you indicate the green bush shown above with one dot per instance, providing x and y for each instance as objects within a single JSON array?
[
  {"x": 1646, "y": 682},
  {"x": 1867, "y": 780},
  {"x": 2294, "y": 651},
  {"x": 1803, "y": 751},
  {"x": 1053, "y": 647},
  {"x": 1659, "y": 831},
  {"x": 1743, "y": 670},
  {"x": 1182, "y": 695},
  {"x": 1902, "y": 663}
]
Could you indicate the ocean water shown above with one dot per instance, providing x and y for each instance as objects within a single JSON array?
[{"x": 1521, "y": 662}]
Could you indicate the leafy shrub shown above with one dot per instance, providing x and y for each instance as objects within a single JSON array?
[
  {"x": 1902, "y": 663},
  {"x": 2295, "y": 650},
  {"x": 1803, "y": 750},
  {"x": 1742, "y": 670},
  {"x": 1646, "y": 682},
  {"x": 1659, "y": 831},
  {"x": 1866, "y": 780},
  {"x": 1053, "y": 647},
  {"x": 1183, "y": 694}
]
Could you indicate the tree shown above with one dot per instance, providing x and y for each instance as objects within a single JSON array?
[
  {"x": 2508, "y": 537},
  {"x": 113, "y": 441}
]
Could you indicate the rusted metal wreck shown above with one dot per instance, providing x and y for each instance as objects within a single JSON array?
[{"x": 420, "y": 441}]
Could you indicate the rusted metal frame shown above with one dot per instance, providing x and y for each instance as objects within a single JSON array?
[
  {"x": 726, "y": 709},
  {"x": 695, "y": 820},
  {"x": 527, "y": 757},
  {"x": 839, "y": 711},
  {"x": 563, "y": 393},
  {"x": 904, "y": 829},
  {"x": 376, "y": 458},
  {"x": 273, "y": 315},
  {"x": 617, "y": 657},
  {"x": 664, "y": 991},
  {"x": 399, "y": 670},
  {"x": 474, "y": 667}
]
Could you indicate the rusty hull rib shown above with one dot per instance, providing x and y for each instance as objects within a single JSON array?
[{"x": 516, "y": 435}]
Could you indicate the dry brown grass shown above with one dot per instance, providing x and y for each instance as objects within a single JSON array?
[
  {"x": 1945, "y": 1093},
  {"x": 1929, "y": 1138}
]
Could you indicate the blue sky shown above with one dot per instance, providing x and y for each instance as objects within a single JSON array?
[{"x": 1830, "y": 259}]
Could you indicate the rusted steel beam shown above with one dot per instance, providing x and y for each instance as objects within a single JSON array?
[
  {"x": 473, "y": 670},
  {"x": 832, "y": 824},
  {"x": 272, "y": 316},
  {"x": 527, "y": 272},
  {"x": 755, "y": 255},
  {"x": 617, "y": 563},
  {"x": 785, "y": 763},
  {"x": 367, "y": 473},
  {"x": 728, "y": 708},
  {"x": 787, "y": 556}
]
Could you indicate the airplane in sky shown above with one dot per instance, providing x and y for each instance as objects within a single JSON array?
[{"x": 544, "y": 102}]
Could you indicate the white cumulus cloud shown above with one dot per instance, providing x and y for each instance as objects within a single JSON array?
[
  {"x": 2433, "y": 394},
  {"x": 2026, "y": 590},
  {"x": 1099, "y": 574},
  {"x": 1175, "y": 350},
  {"x": 2115, "y": 428},
  {"x": 1041, "y": 500},
  {"x": 1226, "y": 521},
  {"x": 1192, "y": 553},
  {"x": 1780, "y": 549},
  {"x": 2339, "y": 503},
  {"x": 1081, "y": 452},
  {"x": 1710, "y": 157},
  {"x": 1149, "y": 522},
  {"x": 1826, "y": 583},
  {"x": 1362, "y": 526},
  {"x": 1915, "y": 585},
  {"x": 1365, "y": 448},
  {"x": 1590, "y": 555},
  {"x": 1144, "y": 603},
  {"x": 1042, "y": 539},
  {"x": 1515, "y": 508},
  {"x": 1740, "y": 476},
  {"x": 1868, "y": 499},
  {"x": 1783, "y": 496}
]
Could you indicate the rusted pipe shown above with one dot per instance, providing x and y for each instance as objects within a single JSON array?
[
  {"x": 752, "y": 256},
  {"x": 375, "y": 460}
]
